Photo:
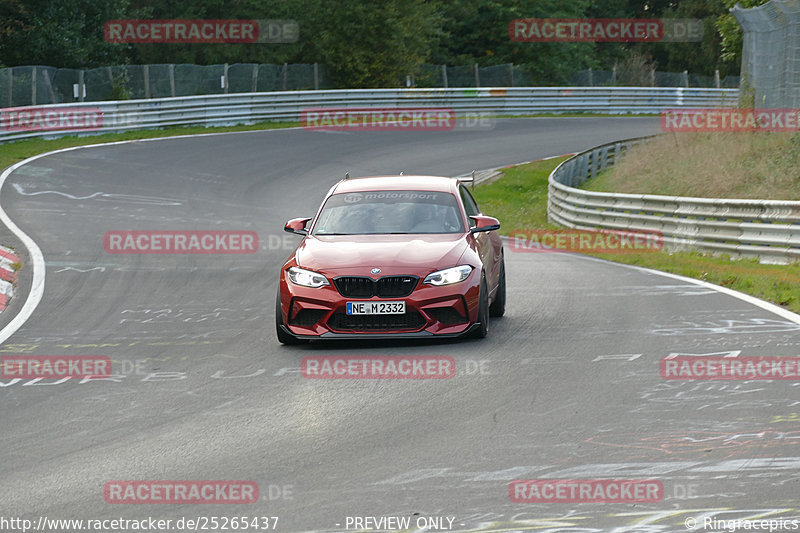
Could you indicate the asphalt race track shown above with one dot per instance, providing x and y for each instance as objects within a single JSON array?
[{"x": 567, "y": 384}]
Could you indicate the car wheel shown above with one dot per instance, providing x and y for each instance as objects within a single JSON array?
[
  {"x": 483, "y": 311},
  {"x": 283, "y": 337},
  {"x": 498, "y": 307}
]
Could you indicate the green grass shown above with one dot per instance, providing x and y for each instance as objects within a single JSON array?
[
  {"x": 519, "y": 200},
  {"x": 15, "y": 151},
  {"x": 756, "y": 165}
]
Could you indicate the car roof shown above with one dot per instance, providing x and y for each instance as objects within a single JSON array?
[{"x": 395, "y": 183}]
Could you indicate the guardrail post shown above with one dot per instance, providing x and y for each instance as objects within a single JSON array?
[
  {"x": 585, "y": 166},
  {"x": 285, "y": 74},
  {"x": 172, "y": 79},
  {"x": 604, "y": 158},
  {"x": 444, "y": 75},
  {"x": 716, "y": 79},
  {"x": 146, "y": 75},
  {"x": 316, "y": 76},
  {"x": 10, "y": 86},
  {"x": 255, "y": 77},
  {"x": 477, "y": 76},
  {"x": 652, "y": 77},
  {"x": 33, "y": 87},
  {"x": 614, "y": 75},
  {"x": 686, "y": 78},
  {"x": 225, "y": 78}
]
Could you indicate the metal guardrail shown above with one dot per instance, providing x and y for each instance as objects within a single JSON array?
[
  {"x": 248, "y": 108},
  {"x": 766, "y": 229}
]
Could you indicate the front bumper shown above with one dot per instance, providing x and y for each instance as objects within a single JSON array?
[
  {"x": 399, "y": 335},
  {"x": 320, "y": 313}
]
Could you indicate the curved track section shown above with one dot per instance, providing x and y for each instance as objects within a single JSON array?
[{"x": 566, "y": 386}]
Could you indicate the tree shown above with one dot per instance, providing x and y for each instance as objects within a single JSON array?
[
  {"x": 477, "y": 32},
  {"x": 373, "y": 44},
  {"x": 731, "y": 32},
  {"x": 63, "y": 33}
]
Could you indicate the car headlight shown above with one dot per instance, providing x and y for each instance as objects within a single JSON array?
[
  {"x": 306, "y": 278},
  {"x": 448, "y": 276}
]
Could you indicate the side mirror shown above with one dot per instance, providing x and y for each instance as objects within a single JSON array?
[
  {"x": 297, "y": 225},
  {"x": 483, "y": 223}
]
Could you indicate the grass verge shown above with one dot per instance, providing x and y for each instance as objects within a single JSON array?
[
  {"x": 13, "y": 152},
  {"x": 758, "y": 165},
  {"x": 519, "y": 200}
]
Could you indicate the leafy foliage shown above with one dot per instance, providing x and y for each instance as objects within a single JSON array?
[
  {"x": 731, "y": 32},
  {"x": 370, "y": 44}
]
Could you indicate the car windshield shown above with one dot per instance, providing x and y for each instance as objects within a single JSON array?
[{"x": 389, "y": 212}]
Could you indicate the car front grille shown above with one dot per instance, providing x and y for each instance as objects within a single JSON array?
[
  {"x": 385, "y": 287},
  {"x": 411, "y": 321}
]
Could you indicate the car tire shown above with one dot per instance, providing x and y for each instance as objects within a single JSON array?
[
  {"x": 483, "y": 311},
  {"x": 498, "y": 307},
  {"x": 283, "y": 337}
]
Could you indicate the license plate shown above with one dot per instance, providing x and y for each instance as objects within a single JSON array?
[{"x": 376, "y": 308}]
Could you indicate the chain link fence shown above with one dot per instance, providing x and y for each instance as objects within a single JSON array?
[
  {"x": 771, "y": 54},
  {"x": 38, "y": 85},
  {"x": 651, "y": 78}
]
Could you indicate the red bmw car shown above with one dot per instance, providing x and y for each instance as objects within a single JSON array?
[{"x": 389, "y": 257}]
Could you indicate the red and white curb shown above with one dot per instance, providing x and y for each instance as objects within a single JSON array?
[{"x": 7, "y": 275}]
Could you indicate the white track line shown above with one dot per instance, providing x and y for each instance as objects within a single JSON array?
[
  {"x": 37, "y": 259},
  {"x": 767, "y": 306}
]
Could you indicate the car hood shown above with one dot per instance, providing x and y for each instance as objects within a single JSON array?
[{"x": 393, "y": 254}]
